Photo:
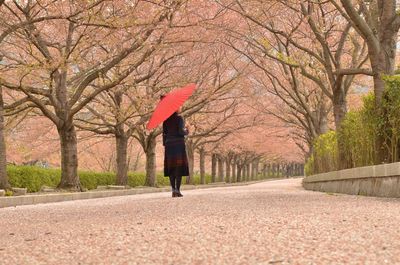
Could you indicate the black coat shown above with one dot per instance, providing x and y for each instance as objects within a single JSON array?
[{"x": 175, "y": 159}]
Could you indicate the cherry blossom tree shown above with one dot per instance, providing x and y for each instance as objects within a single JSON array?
[
  {"x": 115, "y": 112},
  {"x": 3, "y": 160},
  {"x": 378, "y": 23},
  {"x": 60, "y": 74},
  {"x": 8, "y": 26},
  {"x": 308, "y": 39}
]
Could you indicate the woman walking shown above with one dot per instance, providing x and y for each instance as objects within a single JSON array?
[{"x": 175, "y": 159}]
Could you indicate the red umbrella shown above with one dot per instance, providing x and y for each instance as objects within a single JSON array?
[{"x": 169, "y": 104}]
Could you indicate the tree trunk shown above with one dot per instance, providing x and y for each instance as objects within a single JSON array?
[
  {"x": 234, "y": 170},
  {"x": 135, "y": 165},
  {"x": 248, "y": 177},
  {"x": 252, "y": 175},
  {"x": 202, "y": 166},
  {"x": 151, "y": 176},
  {"x": 243, "y": 172},
  {"x": 283, "y": 167},
  {"x": 382, "y": 154},
  {"x": 4, "y": 184},
  {"x": 382, "y": 64},
  {"x": 290, "y": 170},
  {"x": 339, "y": 112},
  {"x": 257, "y": 164},
  {"x": 121, "y": 145},
  {"x": 190, "y": 154},
  {"x": 264, "y": 172},
  {"x": 122, "y": 160},
  {"x": 220, "y": 169},
  {"x": 239, "y": 173},
  {"x": 339, "y": 107},
  {"x": 69, "y": 158},
  {"x": 228, "y": 170},
  {"x": 213, "y": 167}
]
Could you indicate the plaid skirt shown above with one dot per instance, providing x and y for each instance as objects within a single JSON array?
[{"x": 175, "y": 159}]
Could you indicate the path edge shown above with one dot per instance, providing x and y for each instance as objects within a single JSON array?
[{"x": 96, "y": 194}]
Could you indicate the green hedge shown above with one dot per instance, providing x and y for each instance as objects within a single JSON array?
[
  {"x": 356, "y": 138},
  {"x": 359, "y": 134},
  {"x": 389, "y": 121},
  {"x": 33, "y": 178}
]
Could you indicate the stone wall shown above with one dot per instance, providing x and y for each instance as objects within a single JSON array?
[{"x": 381, "y": 181}]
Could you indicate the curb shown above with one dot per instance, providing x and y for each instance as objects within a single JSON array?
[{"x": 61, "y": 197}]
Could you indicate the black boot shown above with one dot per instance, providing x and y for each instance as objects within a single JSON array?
[{"x": 175, "y": 193}]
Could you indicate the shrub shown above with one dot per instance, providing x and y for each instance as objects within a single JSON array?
[
  {"x": 360, "y": 133},
  {"x": 139, "y": 179},
  {"x": 33, "y": 178},
  {"x": 390, "y": 120},
  {"x": 357, "y": 138},
  {"x": 91, "y": 180},
  {"x": 325, "y": 153},
  {"x": 309, "y": 166}
]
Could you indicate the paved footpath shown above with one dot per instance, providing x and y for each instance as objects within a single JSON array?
[{"x": 272, "y": 222}]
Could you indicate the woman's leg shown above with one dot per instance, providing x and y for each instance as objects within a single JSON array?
[
  {"x": 172, "y": 180},
  {"x": 178, "y": 184}
]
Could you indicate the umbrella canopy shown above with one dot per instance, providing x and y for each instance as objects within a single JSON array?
[{"x": 169, "y": 104}]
